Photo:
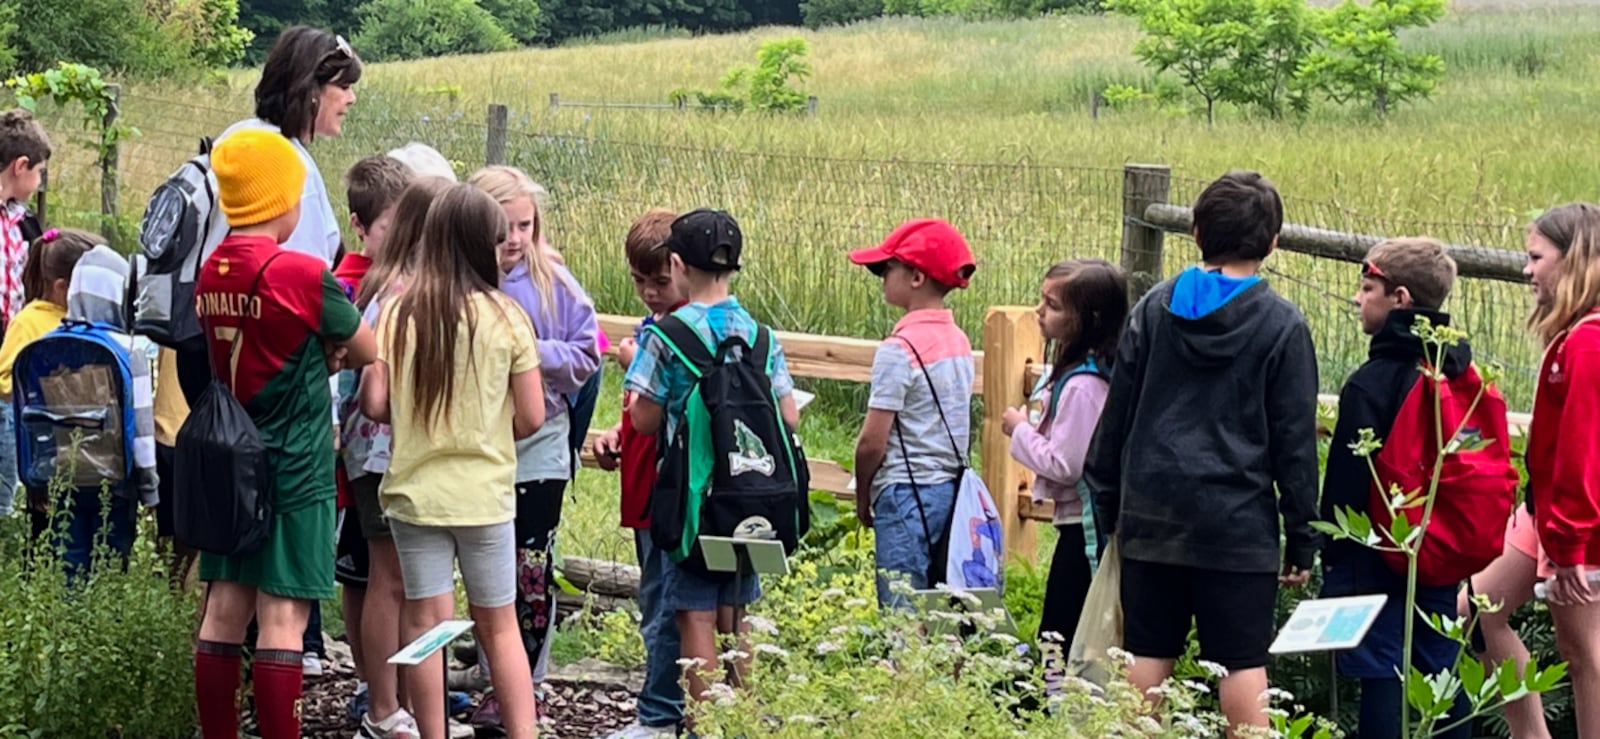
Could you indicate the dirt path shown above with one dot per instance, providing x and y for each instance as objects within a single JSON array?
[{"x": 582, "y": 703}]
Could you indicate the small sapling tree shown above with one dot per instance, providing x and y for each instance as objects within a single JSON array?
[{"x": 1362, "y": 59}]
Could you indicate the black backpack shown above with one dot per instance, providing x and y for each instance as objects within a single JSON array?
[
  {"x": 733, "y": 468},
  {"x": 223, "y": 484},
  {"x": 182, "y": 224}
]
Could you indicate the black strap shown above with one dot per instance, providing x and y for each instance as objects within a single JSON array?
[
  {"x": 905, "y": 457},
  {"x": 687, "y": 342},
  {"x": 250, "y": 297}
]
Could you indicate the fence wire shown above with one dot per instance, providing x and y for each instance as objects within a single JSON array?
[{"x": 801, "y": 214}]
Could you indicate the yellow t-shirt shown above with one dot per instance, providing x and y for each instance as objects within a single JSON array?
[
  {"x": 171, "y": 408},
  {"x": 459, "y": 468},
  {"x": 37, "y": 318}
]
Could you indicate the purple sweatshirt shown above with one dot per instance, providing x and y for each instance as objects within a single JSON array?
[
  {"x": 568, "y": 352},
  {"x": 1056, "y": 453}
]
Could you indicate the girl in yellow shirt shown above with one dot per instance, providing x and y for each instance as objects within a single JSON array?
[{"x": 44, "y": 280}]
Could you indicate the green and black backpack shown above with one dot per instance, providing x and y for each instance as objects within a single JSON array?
[{"x": 733, "y": 468}]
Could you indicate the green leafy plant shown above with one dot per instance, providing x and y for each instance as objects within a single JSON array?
[
  {"x": 411, "y": 29},
  {"x": 1363, "y": 59},
  {"x": 69, "y": 83},
  {"x": 767, "y": 85},
  {"x": 1486, "y": 686}
]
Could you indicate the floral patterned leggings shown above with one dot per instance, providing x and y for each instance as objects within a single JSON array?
[{"x": 538, "y": 515}]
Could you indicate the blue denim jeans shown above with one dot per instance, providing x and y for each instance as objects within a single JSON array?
[
  {"x": 904, "y": 550},
  {"x": 661, "y": 700},
  {"x": 8, "y": 457},
  {"x": 77, "y": 540}
]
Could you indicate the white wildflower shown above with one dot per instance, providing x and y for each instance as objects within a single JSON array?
[
  {"x": 869, "y": 699},
  {"x": 1051, "y": 636},
  {"x": 733, "y": 655},
  {"x": 1116, "y": 654},
  {"x": 1148, "y": 726},
  {"x": 832, "y": 593},
  {"x": 772, "y": 649},
  {"x": 1215, "y": 669},
  {"x": 1275, "y": 695},
  {"x": 827, "y": 647},
  {"x": 796, "y": 678},
  {"x": 856, "y": 603},
  {"x": 695, "y": 662},
  {"x": 803, "y": 718},
  {"x": 1197, "y": 686},
  {"x": 761, "y": 625}
]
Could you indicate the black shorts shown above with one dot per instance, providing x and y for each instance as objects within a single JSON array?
[
  {"x": 164, "y": 488},
  {"x": 350, "y": 555},
  {"x": 1234, "y": 613}
]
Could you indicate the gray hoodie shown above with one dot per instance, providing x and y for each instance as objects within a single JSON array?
[{"x": 96, "y": 292}]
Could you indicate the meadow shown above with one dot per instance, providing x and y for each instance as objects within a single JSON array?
[{"x": 985, "y": 123}]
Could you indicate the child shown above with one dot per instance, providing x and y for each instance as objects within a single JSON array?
[
  {"x": 24, "y": 148},
  {"x": 1213, "y": 403},
  {"x": 171, "y": 409},
  {"x": 1401, "y": 279},
  {"x": 661, "y": 699},
  {"x": 1082, "y": 307},
  {"x": 914, "y": 441},
  {"x": 706, "y": 246},
  {"x": 54, "y": 277},
  {"x": 457, "y": 378},
  {"x": 564, "y": 322},
  {"x": 1563, "y": 439},
  {"x": 372, "y": 594},
  {"x": 268, "y": 313}
]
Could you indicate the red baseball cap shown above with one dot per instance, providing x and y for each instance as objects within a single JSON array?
[{"x": 929, "y": 245}]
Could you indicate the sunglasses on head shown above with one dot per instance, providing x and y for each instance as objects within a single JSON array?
[
  {"x": 342, "y": 47},
  {"x": 1368, "y": 269}
]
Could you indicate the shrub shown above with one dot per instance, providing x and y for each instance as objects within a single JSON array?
[
  {"x": 107, "y": 655},
  {"x": 412, "y": 29},
  {"x": 520, "y": 18},
  {"x": 819, "y": 13}
]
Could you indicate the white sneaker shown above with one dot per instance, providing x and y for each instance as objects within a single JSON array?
[
  {"x": 459, "y": 730},
  {"x": 399, "y": 725},
  {"x": 310, "y": 666},
  {"x": 640, "y": 731}
]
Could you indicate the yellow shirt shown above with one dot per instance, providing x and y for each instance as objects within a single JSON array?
[
  {"x": 459, "y": 468},
  {"x": 171, "y": 408},
  {"x": 37, "y": 318}
]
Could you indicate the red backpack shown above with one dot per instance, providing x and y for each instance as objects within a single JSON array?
[{"x": 1477, "y": 483}]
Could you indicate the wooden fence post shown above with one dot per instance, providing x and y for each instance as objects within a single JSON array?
[
  {"x": 1142, "y": 184},
  {"x": 494, "y": 145},
  {"x": 42, "y": 200},
  {"x": 108, "y": 166},
  {"x": 1011, "y": 340},
  {"x": 811, "y": 106},
  {"x": 555, "y": 101}
]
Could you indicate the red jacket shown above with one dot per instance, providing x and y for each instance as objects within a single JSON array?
[{"x": 1564, "y": 446}]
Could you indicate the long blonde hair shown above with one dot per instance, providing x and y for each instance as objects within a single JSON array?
[
  {"x": 1574, "y": 228},
  {"x": 457, "y": 259},
  {"x": 399, "y": 252},
  {"x": 507, "y": 185}
]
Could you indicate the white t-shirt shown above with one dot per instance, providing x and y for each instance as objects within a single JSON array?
[{"x": 318, "y": 232}]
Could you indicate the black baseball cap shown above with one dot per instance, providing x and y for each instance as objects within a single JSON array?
[{"x": 707, "y": 239}]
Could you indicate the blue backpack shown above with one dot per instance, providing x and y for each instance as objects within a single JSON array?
[{"x": 76, "y": 381}]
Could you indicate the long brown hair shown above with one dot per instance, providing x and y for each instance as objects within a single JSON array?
[
  {"x": 301, "y": 61},
  {"x": 457, "y": 259},
  {"x": 398, "y": 255},
  {"x": 53, "y": 258},
  {"x": 1097, "y": 292},
  {"x": 1574, "y": 228}
]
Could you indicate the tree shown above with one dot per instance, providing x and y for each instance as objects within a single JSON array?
[
  {"x": 520, "y": 18},
  {"x": 1363, "y": 59},
  {"x": 111, "y": 35},
  {"x": 1244, "y": 52},
  {"x": 412, "y": 29},
  {"x": 8, "y": 32},
  {"x": 819, "y": 13},
  {"x": 206, "y": 28}
]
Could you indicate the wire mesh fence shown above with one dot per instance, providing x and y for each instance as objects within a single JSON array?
[{"x": 802, "y": 213}]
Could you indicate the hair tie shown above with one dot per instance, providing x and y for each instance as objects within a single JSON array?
[{"x": 49, "y": 236}]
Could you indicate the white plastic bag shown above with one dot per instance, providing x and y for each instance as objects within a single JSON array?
[{"x": 1100, "y": 625}]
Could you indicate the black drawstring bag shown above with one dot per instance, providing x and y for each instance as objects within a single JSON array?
[{"x": 223, "y": 482}]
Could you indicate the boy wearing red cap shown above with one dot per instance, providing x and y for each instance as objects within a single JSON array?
[{"x": 914, "y": 442}]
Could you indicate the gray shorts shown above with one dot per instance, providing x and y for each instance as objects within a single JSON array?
[{"x": 428, "y": 555}]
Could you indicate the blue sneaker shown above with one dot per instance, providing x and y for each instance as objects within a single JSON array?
[
  {"x": 458, "y": 702},
  {"x": 359, "y": 704}
]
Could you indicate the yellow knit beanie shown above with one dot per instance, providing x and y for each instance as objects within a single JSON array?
[{"x": 259, "y": 176}]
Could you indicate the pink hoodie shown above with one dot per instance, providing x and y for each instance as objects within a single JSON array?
[{"x": 1055, "y": 453}]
